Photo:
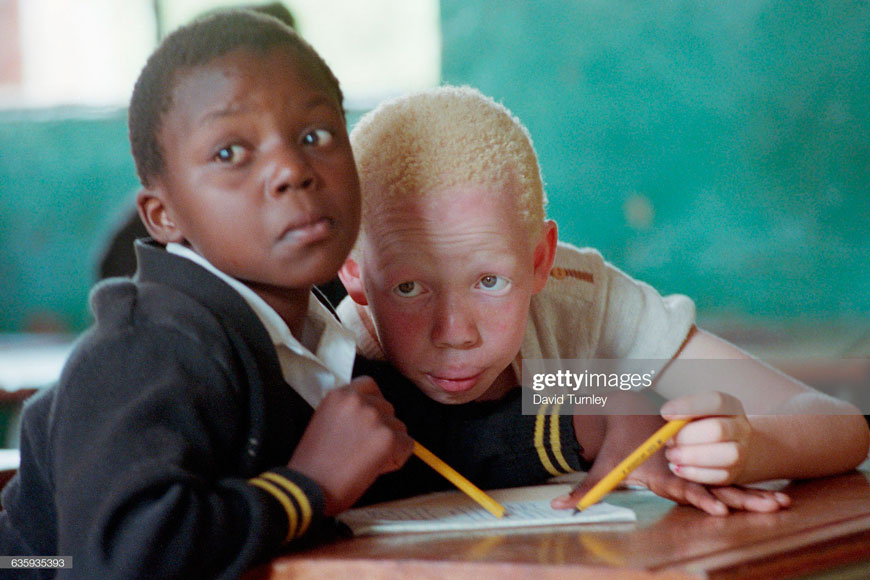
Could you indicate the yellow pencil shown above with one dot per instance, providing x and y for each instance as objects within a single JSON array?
[
  {"x": 630, "y": 463},
  {"x": 459, "y": 481}
]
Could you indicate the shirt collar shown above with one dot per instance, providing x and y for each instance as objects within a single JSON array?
[{"x": 321, "y": 327}]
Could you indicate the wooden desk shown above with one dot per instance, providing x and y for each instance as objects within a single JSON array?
[{"x": 827, "y": 527}]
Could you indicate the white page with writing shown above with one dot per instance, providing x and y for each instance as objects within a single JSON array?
[{"x": 453, "y": 510}]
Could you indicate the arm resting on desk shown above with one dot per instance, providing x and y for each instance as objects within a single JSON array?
[{"x": 793, "y": 430}]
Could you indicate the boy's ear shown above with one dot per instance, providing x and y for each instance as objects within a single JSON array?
[
  {"x": 545, "y": 254},
  {"x": 350, "y": 277},
  {"x": 153, "y": 211}
]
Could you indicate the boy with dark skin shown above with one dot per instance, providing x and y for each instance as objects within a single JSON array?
[
  {"x": 209, "y": 419},
  {"x": 134, "y": 462},
  {"x": 276, "y": 214}
]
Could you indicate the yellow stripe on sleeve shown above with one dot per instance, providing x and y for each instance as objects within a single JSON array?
[
  {"x": 285, "y": 501},
  {"x": 556, "y": 441},
  {"x": 539, "y": 442},
  {"x": 298, "y": 494}
]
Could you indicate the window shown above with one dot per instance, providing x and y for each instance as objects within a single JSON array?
[
  {"x": 60, "y": 52},
  {"x": 77, "y": 52}
]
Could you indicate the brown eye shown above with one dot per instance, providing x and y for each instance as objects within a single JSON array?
[
  {"x": 318, "y": 138},
  {"x": 407, "y": 289},
  {"x": 232, "y": 154}
]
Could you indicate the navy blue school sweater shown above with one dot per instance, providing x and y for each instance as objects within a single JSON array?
[{"x": 162, "y": 451}]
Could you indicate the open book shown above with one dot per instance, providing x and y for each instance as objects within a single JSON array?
[{"x": 453, "y": 510}]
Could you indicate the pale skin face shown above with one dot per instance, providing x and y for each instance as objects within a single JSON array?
[
  {"x": 448, "y": 280},
  {"x": 259, "y": 176}
]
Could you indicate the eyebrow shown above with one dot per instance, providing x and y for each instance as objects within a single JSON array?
[
  {"x": 235, "y": 109},
  {"x": 221, "y": 113}
]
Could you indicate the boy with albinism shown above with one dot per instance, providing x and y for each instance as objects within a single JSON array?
[{"x": 458, "y": 276}]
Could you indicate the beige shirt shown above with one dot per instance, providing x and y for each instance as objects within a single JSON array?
[
  {"x": 322, "y": 360},
  {"x": 588, "y": 309}
]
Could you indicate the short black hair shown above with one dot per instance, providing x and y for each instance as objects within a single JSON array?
[
  {"x": 195, "y": 44},
  {"x": 276, "y": 9}
]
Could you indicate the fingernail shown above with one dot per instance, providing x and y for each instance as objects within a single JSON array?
[{"x": 674, "y": 467}]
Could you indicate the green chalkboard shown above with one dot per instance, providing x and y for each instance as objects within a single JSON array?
[
  {"x": 718, "y": 149},
  {"x": 63, "y": 175}
]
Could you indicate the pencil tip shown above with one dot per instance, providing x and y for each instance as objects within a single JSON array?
[{"x": 575, "y": 512}]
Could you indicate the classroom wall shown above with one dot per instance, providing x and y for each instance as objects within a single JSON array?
[
  {"x": 720, "y": 149},
  {"x": 64, "y": 174},
  {"x": 717, "y": 149}
]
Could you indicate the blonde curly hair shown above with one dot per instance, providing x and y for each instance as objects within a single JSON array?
[{"x": 429, "y": 140}]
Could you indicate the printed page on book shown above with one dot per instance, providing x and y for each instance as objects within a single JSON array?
[{"x": 453, "y": 510}]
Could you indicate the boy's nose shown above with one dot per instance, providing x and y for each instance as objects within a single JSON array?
[
  {"x": 288, "y": 170},
  {"x": 454, "y": 326}
]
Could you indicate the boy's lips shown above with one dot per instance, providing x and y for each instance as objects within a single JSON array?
[
  {"x": 455, "y": 384},
  {"x": 308, "y": 231}
]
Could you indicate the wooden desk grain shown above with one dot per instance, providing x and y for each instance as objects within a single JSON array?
[{"x": 828, "y": 526}]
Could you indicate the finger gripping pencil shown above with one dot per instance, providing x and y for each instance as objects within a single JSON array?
[{"x": 646, "y": 450}]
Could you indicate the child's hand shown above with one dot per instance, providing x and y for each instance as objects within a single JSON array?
[
  {"x": 624, "y": 434},
  {"x": 714, "y": 446},
  {"x": 352, "y": 438}
]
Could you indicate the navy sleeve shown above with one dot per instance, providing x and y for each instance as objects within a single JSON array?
[{"x": 147, "y": 440}]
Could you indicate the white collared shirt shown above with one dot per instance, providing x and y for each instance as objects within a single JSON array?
[{"x": 322, "y": 360}]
